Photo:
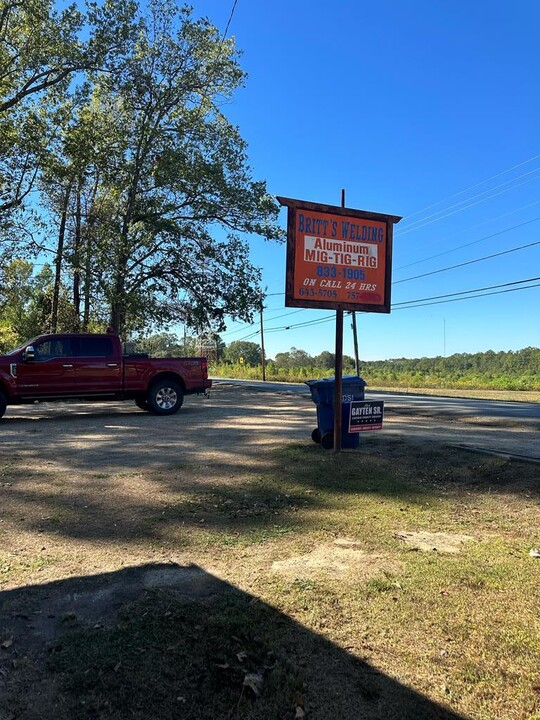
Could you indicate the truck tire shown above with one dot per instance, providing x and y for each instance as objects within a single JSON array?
[
  {"x": 165, "y": 397},
  {"x": 3, "y": 404}
]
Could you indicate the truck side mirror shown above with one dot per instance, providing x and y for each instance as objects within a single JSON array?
[{"x": 29, "y": 355}]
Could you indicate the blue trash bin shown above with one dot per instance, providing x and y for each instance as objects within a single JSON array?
[{"x": 322, "y": 394}]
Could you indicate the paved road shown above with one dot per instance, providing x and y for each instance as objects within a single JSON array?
[{"x": 528, "y": 413}]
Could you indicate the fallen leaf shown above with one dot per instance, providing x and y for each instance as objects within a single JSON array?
[
  {"x": 535, "y": 553},
  {"x": 299, "y": 712},
  {"x": 7, "y": 643},
  {"x": 254, "y": 681}
]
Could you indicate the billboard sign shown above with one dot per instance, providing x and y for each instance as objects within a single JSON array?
[{"x": 338, "y": 258}]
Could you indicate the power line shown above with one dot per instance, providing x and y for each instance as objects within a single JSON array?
[
  {"x": 212, "y": 71},
  {"x": 252, "y": 324},
  {"x": 427, "y": 221},
  {"x": 469, "y": 262},
  {"x": 400, "y": 306},
  {"x": 474, "y": 242},
  {"x": 442, "y": 302},
  {"x": 472, "y": 187},
  {"x": 419, "y": 302},
  {"x": 484, "y": 192},
  {"x": 293, "y": 312},
  {"x": 229, "y": 20},
  {"x": 466, "y": 292},
  {"x": 303, "y": 324}
]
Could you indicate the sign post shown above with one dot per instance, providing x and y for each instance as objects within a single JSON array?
[
  {"x": 338, "y": 259},
  {"x": 338, "y": 369}
]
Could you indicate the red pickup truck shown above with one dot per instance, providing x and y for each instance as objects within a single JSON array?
[{"x": 93, "y": 367}]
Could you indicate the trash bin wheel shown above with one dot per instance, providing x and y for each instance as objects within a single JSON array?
[
  {"x": 327, "y": 440},
  {"x": 316, "y": 436}
]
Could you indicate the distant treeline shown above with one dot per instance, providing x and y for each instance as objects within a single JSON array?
[{"x": 511, "y": 370}]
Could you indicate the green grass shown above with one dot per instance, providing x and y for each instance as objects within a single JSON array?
[
  {"x": 176, "y": 659},
  {"x": 461, "y": 629},
  {"x": 498, "y": 386}
]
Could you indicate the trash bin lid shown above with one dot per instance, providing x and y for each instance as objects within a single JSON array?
[{"x": 345, "y": 380}]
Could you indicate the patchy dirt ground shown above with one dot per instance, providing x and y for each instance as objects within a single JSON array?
[
  {"x": 233, "y": 424},
  {"x": 341, "y": 558},
  {"x": 91, "y": 496},
  {"x": 89, "y": 474}
]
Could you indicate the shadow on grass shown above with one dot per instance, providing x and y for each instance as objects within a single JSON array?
[
  {"x": 279, "y": 494},
  {"x": 165, "y": 641}
]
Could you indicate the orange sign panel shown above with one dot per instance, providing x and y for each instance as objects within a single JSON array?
[{"x": 338, "y": 258}]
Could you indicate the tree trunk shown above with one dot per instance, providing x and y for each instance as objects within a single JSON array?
[
  {"x": 76, "y": 263},
  {"x": 88, "y": 247},
  {"x": 87, "y": 280},
  {"x": 118, "y": 301},
  {"x": 59, "y": 258}
]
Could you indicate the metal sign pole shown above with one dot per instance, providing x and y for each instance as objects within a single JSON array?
[
  {"x": 338, "y": 372},
  {"x": 355, "y": 340}
]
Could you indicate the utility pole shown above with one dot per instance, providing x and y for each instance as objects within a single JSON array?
[
  {"x": 263, "y": 359},
  {"x": 355, "y": 339}
]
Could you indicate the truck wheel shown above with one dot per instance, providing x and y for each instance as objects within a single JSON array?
[
  {"x": 142, "y": 403},
  {"x": 3, "y": 404},
  {"x": 165, "y": 397}
]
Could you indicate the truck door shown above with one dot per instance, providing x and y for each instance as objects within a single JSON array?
[
  {"x": 99, "y": 369},
  {"x": 51, "y": 372}
]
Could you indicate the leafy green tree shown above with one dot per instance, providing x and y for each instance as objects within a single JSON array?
[
  {"x": 182, "y": 191},
  {"x": 325, "y": 361},
  {"x": 348, "y": 363},
  {"x": 117, "y": 121},
  {"x": 161, "y": 345},
  {"x": 44, "y": 52},
  {"x": 294, "y": 358},
  {"x": 75, "y": 168},
  {"x": 25, "y": 303},
  {"x": 250, "y": 352}
]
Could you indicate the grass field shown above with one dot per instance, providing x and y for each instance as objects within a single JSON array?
[{"x": 391, "y": 583}]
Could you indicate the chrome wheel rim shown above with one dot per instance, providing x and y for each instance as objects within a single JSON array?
[{"x": 166, "y": 398}]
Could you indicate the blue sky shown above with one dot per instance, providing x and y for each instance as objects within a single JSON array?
[{"x": 425, "y": 109}]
